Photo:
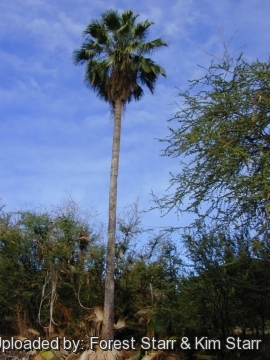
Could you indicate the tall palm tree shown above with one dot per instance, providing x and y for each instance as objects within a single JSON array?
[{"x": 116, "y": 67}]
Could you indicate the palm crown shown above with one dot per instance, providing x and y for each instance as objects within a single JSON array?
[{"x": 114, "y": 52}]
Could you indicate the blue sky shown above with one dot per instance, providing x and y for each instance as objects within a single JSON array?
[{"x": 56, "y": 136}]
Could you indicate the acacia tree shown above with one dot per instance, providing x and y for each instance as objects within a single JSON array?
[
  {"x": 114, "y": 53},
  {"x": 228, "y": 286},
  {"x": 223, "y": 132},
  {"x": 45, "y": 257}
]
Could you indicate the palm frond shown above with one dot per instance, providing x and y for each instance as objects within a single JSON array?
[
  {"x": 96, "y": 315},
  {"x": 151, "y": 46},
  {"x": 97, "y": 31},
  {"x": 105, "y": 355},
  {"x": 113, "y": 53},
  {"x": 128, "y": 17},
  {"x": 137, "y": 94},
  {"x": 98, "y": 311},
  {"x": 86, "y": 355},
  {"x": 121, "y": 324},
  {"x": 140, "y": 30},
  {"x": 152, "y": 355},
  {"x": 111, "y": 20}
]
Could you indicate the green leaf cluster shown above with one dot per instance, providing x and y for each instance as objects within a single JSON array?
[
  {"x": 228, "y": 288},
  {"x": 114, "y": 52},
  {"x": 222, "y": 136}
]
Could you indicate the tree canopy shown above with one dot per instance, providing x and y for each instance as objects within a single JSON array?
[
  {"x": 55, "y": 266},
  {"x": 115, "y": 53},
  {"x": 222, "y": 136}
]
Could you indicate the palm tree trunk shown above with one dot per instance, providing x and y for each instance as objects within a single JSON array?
[{"x": 108, "y": 320}]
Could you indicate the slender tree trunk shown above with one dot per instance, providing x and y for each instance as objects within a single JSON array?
[{"x": 108, "y": 321}]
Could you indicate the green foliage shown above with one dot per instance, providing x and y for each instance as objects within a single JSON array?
[
  {"x": 228, "y": 288},
  {"x": 223, "y": 138},
  {"x": 19, "y": 264},
  {"x": 47, "y": 259},
  {"x": 114, "y": 52},
  {"x": 147, "y": 290},
  {"x": 223, "y": 133},
  {"x": 55, "y": 266},
  {"x": 55, "y": 274}
]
